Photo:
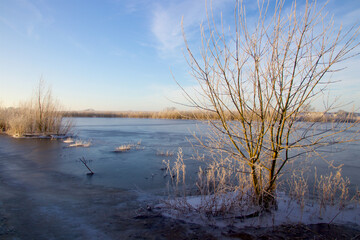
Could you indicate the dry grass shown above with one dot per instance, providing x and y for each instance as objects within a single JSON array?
[
  {"x": 176, "y": 172},
  {"x": 332, "y": 189},
  {"x": 201, "y": 115},
  {"x": 167, "y": 114},
  {"x": 327, "y": 190},
  {"x": 298, "y": 187},
  {"x": 128, "y": 147},
  {"x": 166, "y": 153},
  {"x": 41, "y": 116},
  {"x": 222, "y": 187},
  {"x": 68, "y": 140},
  {"x": 123, "y": 148},
  {"x": 80, "y": 143},
  {"x": 225, "y": 190}
]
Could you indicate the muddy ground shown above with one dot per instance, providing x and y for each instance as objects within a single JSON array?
[{"x": 38, "y": 203}]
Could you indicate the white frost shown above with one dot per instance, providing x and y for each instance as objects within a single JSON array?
[{"x": 288, "y": 212}]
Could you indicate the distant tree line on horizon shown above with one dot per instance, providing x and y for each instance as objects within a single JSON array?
[
  {"x": 202, "y": 115},
  {"x": 36, "y": 118}
]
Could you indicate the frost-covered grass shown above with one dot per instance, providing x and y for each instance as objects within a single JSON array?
[
  {"x": 224, "y": 196},
  {"x": 80, "y": 143},
  {"x": 123, "y": 148},
  {"x": 166, "y": 153},
  {"x": 127, "y": 147},
  {"x": 68, "y": 140}
]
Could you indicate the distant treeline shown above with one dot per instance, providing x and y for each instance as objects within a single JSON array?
[
  {"x": 45, "y": 119},
  {"x": 202, "y": 115},
  {"x": 142, "y": 114}
]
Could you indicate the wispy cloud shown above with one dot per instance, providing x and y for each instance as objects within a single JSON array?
[
  {"x": 78, "y": 45},
  {"x": 24, "y": 17},
  {"x": 10, "y": 25},
  {"x": 166, "y": 21},
  {"x": 32, "y": 9},
  {"x": 131, "y": 6},
  {"x": 134, "y": 6}
]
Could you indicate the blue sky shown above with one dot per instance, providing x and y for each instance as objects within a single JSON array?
[{"x": 117, "y": 54}]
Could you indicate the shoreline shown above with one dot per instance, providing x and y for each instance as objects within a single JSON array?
[
  {"x": 72, "y": 208},
  {"x": 199, "y": 115}
]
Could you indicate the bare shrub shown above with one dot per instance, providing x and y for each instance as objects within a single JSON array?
[
  {"x": 48, "y": 116},
  {"x": 41, "y": 115},
  {"x": 3, "y": 119},
  {"x": 258, "y": 81}
]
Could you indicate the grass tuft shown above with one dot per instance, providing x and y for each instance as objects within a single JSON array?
[
  {"x": 123, "y": 148},
  {"x": 80, "y": 143}
]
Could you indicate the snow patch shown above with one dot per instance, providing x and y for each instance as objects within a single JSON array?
[{"x": 190, "y": 209}]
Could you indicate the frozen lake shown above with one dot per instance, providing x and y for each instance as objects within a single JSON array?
[
  {"x": 43, "y": 183},
  {"x": 139, "y": 168}
]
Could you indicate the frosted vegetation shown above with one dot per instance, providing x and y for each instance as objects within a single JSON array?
[
  {"x": 40, "y": 116},
  {"x": 128, "y": 147},
  {"x": 256, "y": 85},
  {"x": 259, "y": 80},
  {"x": 223, "y": 195}
]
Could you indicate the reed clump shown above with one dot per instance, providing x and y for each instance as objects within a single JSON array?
[
  {"x": 127, "y": 147},
  {"x": 40, "y": 116},
  {"x": 328, "y": 189},
  {"x": 123, "y": 148},
  {"x": 80, "y": 143},
  {"x": 166, "y": 153},
  {"x": 222, "y": 188},
  {"x": 332, "y": 189}
]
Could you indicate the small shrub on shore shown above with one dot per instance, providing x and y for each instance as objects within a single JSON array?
[{"x": 40, "y": 116}]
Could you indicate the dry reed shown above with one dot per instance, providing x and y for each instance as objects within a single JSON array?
[
  {"x": 166, "y": 153},
  {"x": 39, "y": 116},
  {"x": 123, "y": 148},
  {"x": 128, "y": 147},
  {"x": 200, "y": 115},
  {"x": 223, "y": 189},
  {"x": 80, "y": 143}
]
